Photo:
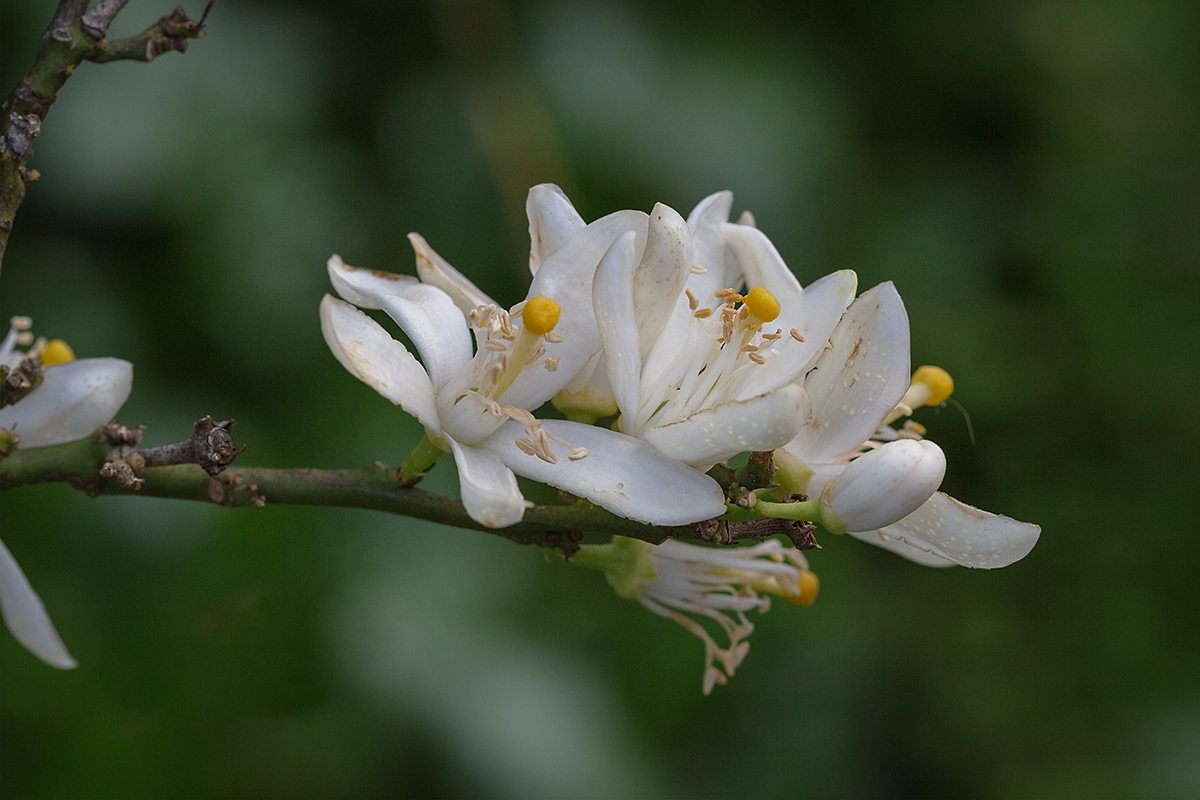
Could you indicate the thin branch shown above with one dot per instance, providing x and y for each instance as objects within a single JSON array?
[
  {"x": 71, "y": 38},
  {"x": 86, "y": 465}
]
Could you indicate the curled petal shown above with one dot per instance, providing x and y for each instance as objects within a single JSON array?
[
  {"x": 26, "y": 617},
  {"x": 370, "y": 354},
  {"x": 761, "y": 262},
  {"x": 859, "y": 380},
  {"x": 427, "y": 314},
  {"x": 612, "y": 295},
  {"x": 552, "y": 220},
  {"x": 720, "y": 432},
  {"x": 944, "y": 528},
  {"x": 488, "y": 488},
  {"x": 661, "y": 274},
  {"x": 708, "y": 247},
  {"x": 624, "y": 475},
  {"x": 436, "y": 271},
  {"x": 73, "y": 400}
]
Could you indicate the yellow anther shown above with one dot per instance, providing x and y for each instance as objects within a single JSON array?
[
  {"x": 540, "y": 315},
  {"x": 762, "y": 304},
  {"x": 808, "y": 589},
  {"x": 938, "y": 382},
  {"x": 57, "y": 352}
]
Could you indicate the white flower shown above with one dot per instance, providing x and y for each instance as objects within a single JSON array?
[
  {"x": 858, "y": 384},
  {"x": 697, "y": 369},
  {"x": 478, "y": 404},
  {"x": 674, "y": 579},
  {"x": 73, "y": 399}
]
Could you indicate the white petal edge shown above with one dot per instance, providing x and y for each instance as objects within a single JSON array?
[
  {"x": 26, "y": 617},
  {"x": 487, "y": 487},
  {"x": 552, "y": 220},
  {"x": 859, "y": 380},
  {"x": 708, "y": 246},
  {"x": 73, "y": 400},
  {"x": 715, "y": 434},
  {"x": 760, "y": 261},
  {"x": 436, "y": 271},
  {"x": 959, "y": 533},
  {"x": 427, "y": 314},
  {"x": 369, "y": 353},
  {"x": 622, "y": 474}
]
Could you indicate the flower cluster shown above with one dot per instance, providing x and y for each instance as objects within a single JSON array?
[
  {"x": 50, "y": 398},
  {"x": 703, "y": 341}
]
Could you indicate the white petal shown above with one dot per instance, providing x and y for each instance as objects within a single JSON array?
[
  {"x": 370, "y": 354},
  {"x": 624, "y": 475},
  {"x": 946, "y": 528},
  {"x": 715, "y": 434},
  {"x": 926, "y": 556},
  {"x": 436, "y": 271},
  {"x": 26, "y": 617},
  {"x": 708, "y": 247},
  {"x": 883, "y": 486},
  {"x": 859, "y": 380},
  {"x": 364, "y": 288},
  {"x": 612, "y": 295},
  {"x": 660, "y": 276},
  {"x": 552, "y": 220},
  {"x": 814, "y": 314},
  {"x": 761, "y": 262},
  {"x": 566, "y": 277},
  {"x": 427, "y": 314},
  {"x": 73, "y": 400},
  {"x": 488, "y": 488}
]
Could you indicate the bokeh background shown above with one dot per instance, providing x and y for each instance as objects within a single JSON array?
[{"x": 1025, "y": 172}]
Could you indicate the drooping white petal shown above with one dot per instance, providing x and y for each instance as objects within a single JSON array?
[
  {"x": 760, "y": 262},
  {"x": 436, "y": 271},
  {"x": 947, "y": 528},
  {"x": 427, "y": 314},
  {"x": 660, "y": 276},
  {"x": 552, "y": 220},
  {"x": 883, "y": 486},
  {"x": 612, "y": 295},
  {"x": 624, "y": 475},
  {"x": 814, "y": 314},
  {"x": 488, "y": 488},
  {"x": 859, "y": 380},
  {"x": 926, "y": 557},
  {"x": 370, "y": 354},
  {"x": 566, "y": 277},
  {"x": 364, "y": 288},
  {"x": 73, "y": 400},
  {"x": 720, "y": 432},
  {"x": 708, "y": 247},
  {"x": 26, "y": 617}
]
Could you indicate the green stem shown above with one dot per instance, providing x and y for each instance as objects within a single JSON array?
[
  {"x": 419, "y": 461},
  {"x": 78, "y": 464},
  {"x": 804, "y": 510}
]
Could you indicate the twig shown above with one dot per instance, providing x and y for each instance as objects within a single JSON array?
[{"x": 71, "y": 38}]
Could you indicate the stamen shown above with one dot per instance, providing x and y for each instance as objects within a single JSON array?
[
  {"x": 551, "y": 364},
  {"x": 722, "y": 293},
  {"x": 25, "y": 338},
  {"x": 796, "y": 335},
  {"x": 756, "y": 358},
  {"x": 577, "y": 453},
  {"x": 703, "y": 313},
  {"x": 21, "y": 323},
  {"x": 749, "y": 348},
  {"x": 553, "y": 337},
  {"x": 693, "y": 303},
  {"x": 495, "y": 346},
  {"x": 525, "y": 446},
  {"x": 698, "y": 270}
]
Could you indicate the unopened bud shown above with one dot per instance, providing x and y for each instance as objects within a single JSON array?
[{"x": 883, "y": 486}]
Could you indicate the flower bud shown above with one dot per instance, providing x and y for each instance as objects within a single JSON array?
[{"x": 883, "y": 486}]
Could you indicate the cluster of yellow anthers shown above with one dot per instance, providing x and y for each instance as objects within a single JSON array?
[{"x": 513, "y": 347}]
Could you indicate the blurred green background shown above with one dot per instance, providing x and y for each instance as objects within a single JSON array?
[{"x": 1026, "y": 173}]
